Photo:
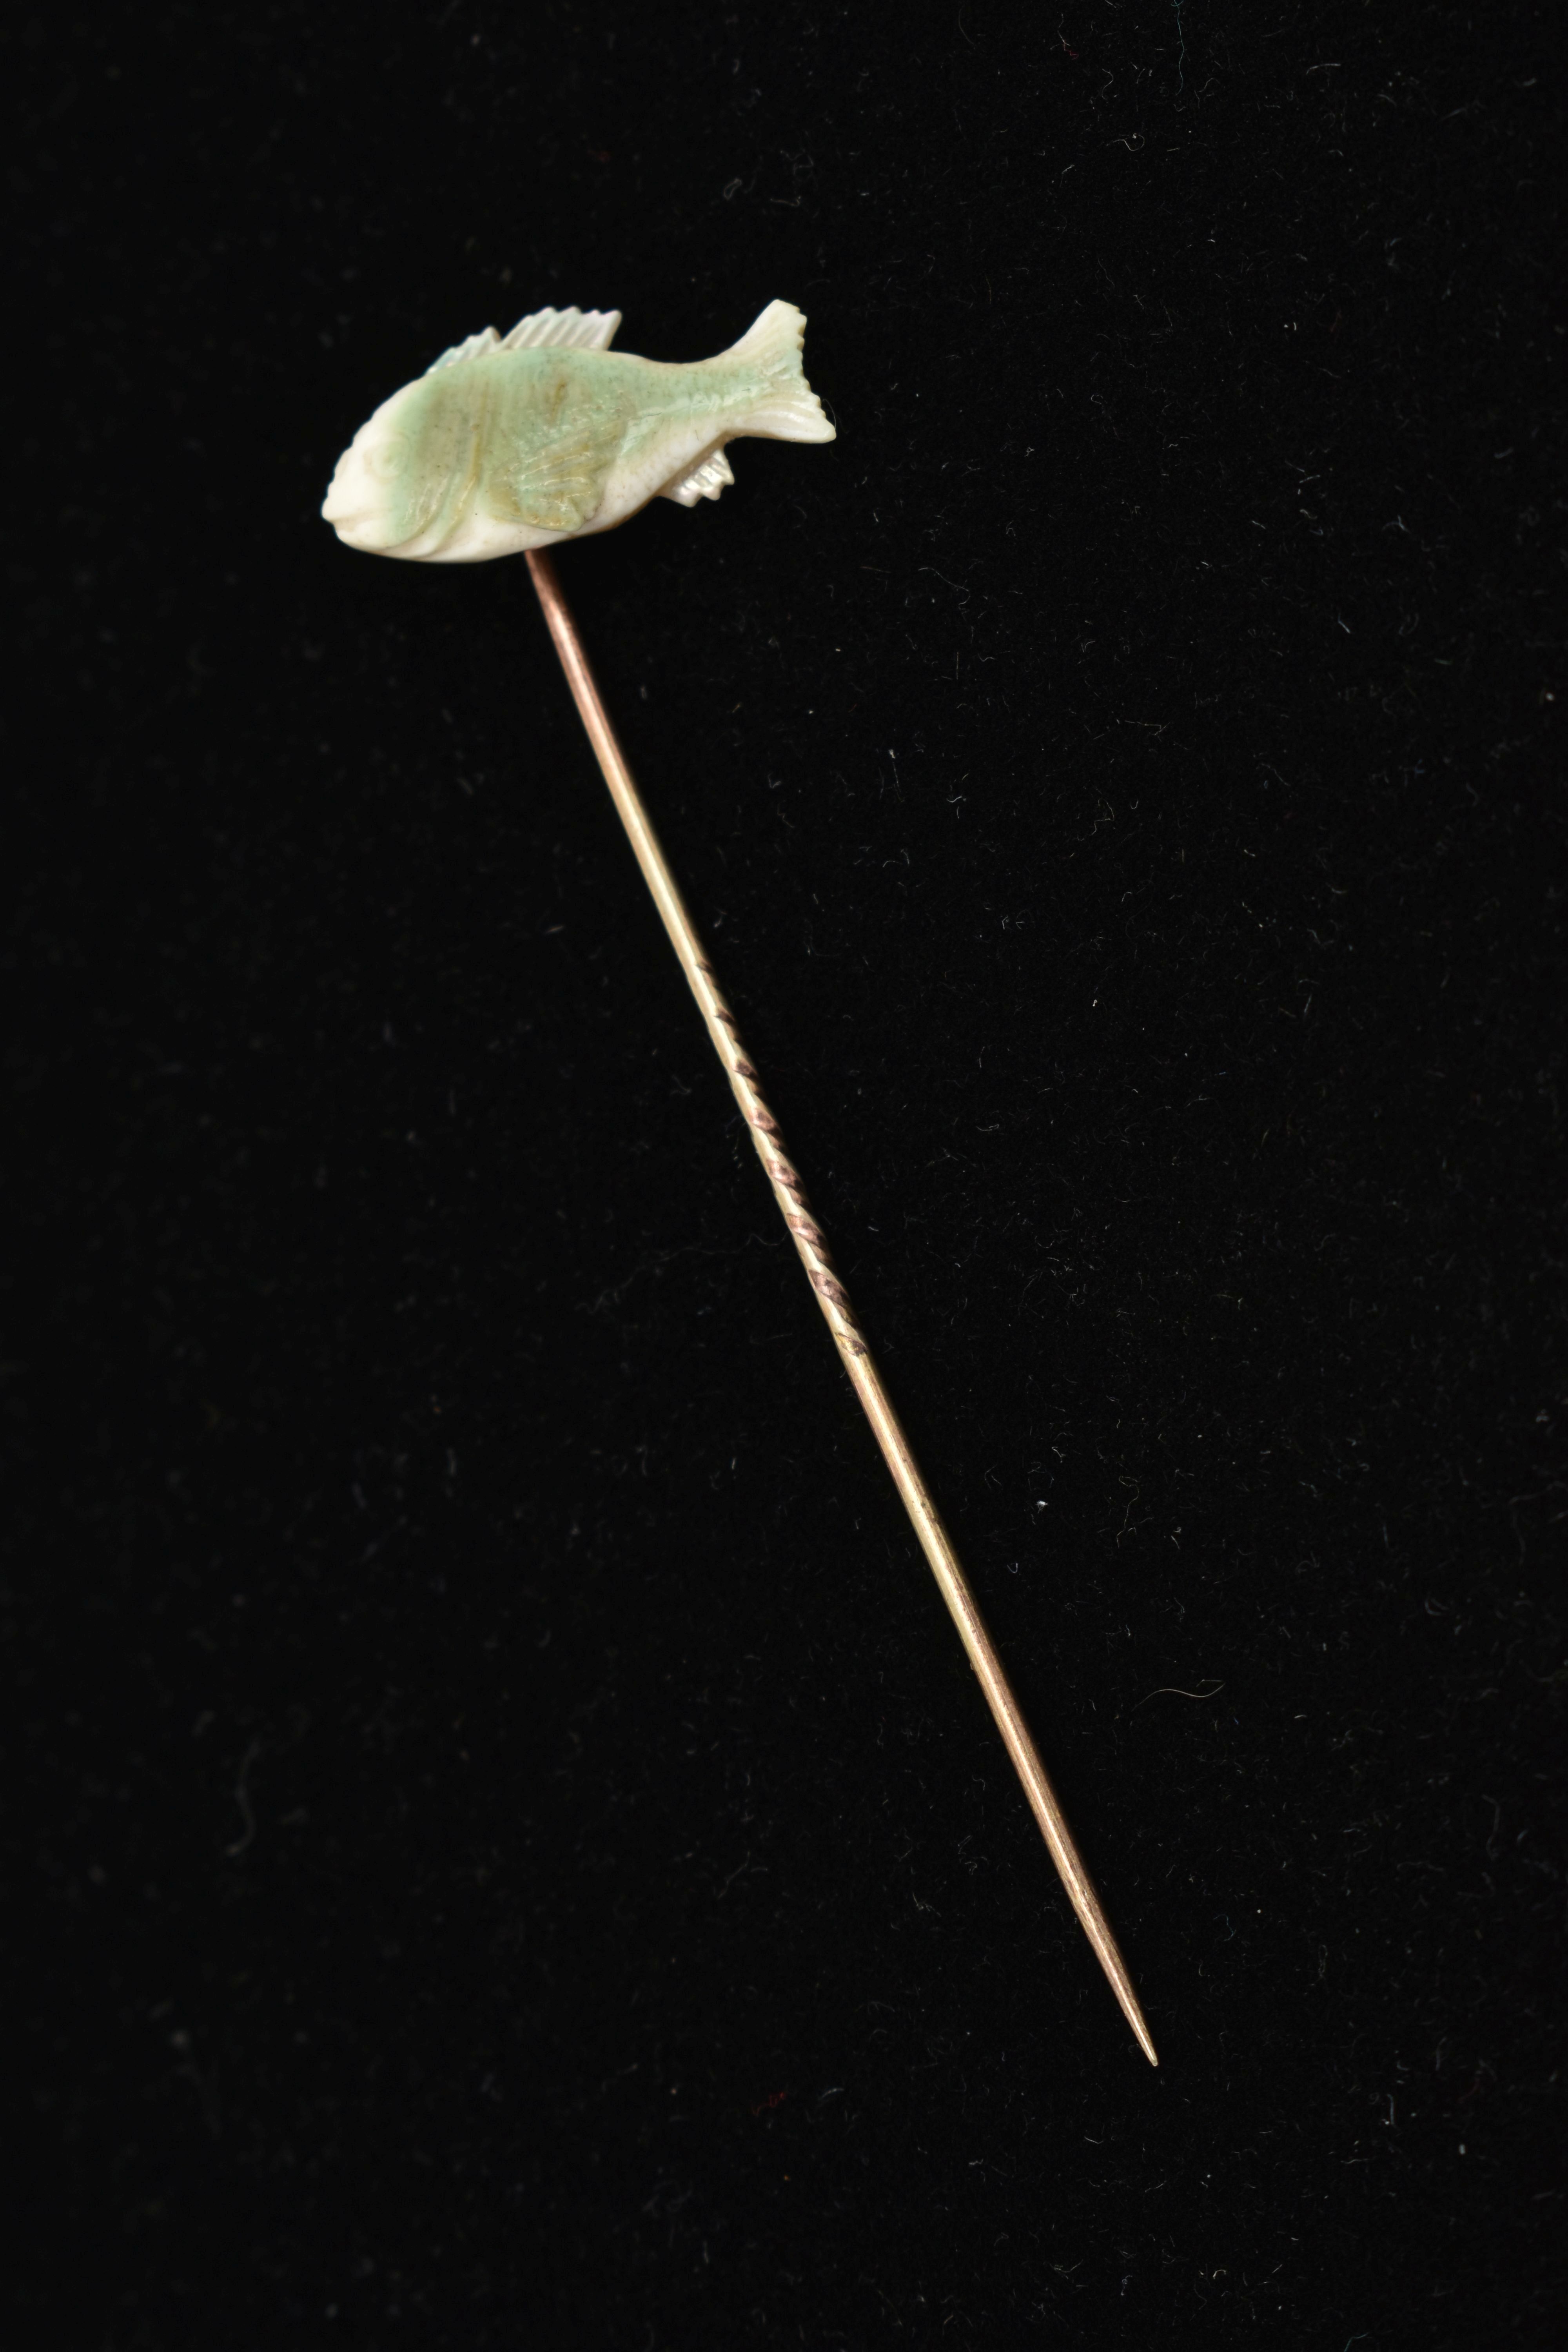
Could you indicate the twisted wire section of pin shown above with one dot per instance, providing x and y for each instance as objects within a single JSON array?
[{"x": 782, "y": 1175}]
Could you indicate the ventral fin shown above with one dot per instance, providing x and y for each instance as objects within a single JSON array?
[
  {"x": 580, "y": 330},
  {"x": 705, "y": 481}
]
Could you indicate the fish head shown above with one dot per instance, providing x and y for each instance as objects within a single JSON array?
[{"x": 381, "y": 494}]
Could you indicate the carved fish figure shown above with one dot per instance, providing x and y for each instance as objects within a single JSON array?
[{"x": 516, "y": 441}]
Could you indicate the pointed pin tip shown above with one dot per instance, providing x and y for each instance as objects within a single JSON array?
[
  {"x": 1134, "y": 2016},
  {"x": 1120, "y": 1982},
  {"x": 1121, "y": 1986}
]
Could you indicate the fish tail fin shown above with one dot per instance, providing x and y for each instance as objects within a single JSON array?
[{"x": 786, "y": 407}]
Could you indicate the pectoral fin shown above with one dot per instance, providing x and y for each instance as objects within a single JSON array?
[{"x": 558, "y": 487}]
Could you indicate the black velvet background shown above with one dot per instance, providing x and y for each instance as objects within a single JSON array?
[{"x": 509, "y": 1850}]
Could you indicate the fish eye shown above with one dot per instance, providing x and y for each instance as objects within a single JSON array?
[{"x": 383, "y": 461}]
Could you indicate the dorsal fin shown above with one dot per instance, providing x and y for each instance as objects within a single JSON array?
[
  {"x": 487, "y": 340},
  {"x": 582, "y": 331}
]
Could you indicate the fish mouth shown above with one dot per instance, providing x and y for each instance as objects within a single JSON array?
[
  {"x": 366, "y": 532},
  {"x": 350, "y": 523},
  {"x": 340, "y": 505},
  {"x": 364, "y": 527},
  {"x": 345, "y": 508},
  {"x": 342, "y": 513}
]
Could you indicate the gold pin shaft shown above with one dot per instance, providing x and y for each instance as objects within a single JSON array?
[{"x": 832, "y": 1298}]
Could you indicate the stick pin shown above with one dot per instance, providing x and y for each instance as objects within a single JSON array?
[{"x": 508, "y": 444}]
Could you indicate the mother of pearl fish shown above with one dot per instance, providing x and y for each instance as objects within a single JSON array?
[{"x": 516, "y": 441}]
